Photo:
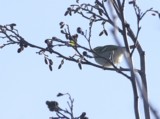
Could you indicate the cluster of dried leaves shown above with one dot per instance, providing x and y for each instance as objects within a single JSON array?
[{"x": 64, "y": 113}]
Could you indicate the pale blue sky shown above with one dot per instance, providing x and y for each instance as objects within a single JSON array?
[{"x": 26, "y": 82}]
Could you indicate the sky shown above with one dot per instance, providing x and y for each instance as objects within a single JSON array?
[{"x": 26, "y": 83}]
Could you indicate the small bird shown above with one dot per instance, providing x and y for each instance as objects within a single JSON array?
[{"x": 109, "y": 52}]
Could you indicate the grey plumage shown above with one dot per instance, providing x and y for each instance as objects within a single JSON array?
[{"x": 111, "y": 52}]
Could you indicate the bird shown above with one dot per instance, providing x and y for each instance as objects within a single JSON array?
[{"x": 112, "y": 53}]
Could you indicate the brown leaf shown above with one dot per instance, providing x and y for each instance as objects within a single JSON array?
[
  {"x": 45, "y": 60},
  {"x": 80, "y": 65},
  {"x": 19, "y": 50},
  {"x": 62, "y": 62},
  {"x": 70, "y": 13},
  {"x": 50, "y": 62},
  {"x": 77, "y": 1},
  {"x": 62, "y": 26},
  {"x": 101, "y": 33},
  {"x": 59, "y": 66},
  {"x": 100, "y": 11},
  {"x": 50, "y": 67},
  {"x": 66, "y": 13},
  {"x": 59, "y": 94},
  {"x": 12, "y": 26},
  {"x": 105, "y": 32},
  {"x": 99, "y": 3},
  {"x": 62, "y": 31},
  {"x": 153, "y": 14},
  {"x": 103, "y": 22},
  {"x": 79, "y": 30},
  {"x": 131, "y": 2},
  {"x": 61, "y": 23},
  {"x": 90, "y": 23}
]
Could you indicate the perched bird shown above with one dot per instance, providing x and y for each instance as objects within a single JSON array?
[{"x": 109, "y": 52}]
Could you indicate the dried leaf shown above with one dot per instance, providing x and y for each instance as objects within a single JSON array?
[
  {"x": 62, "y": 26},
  {"x": 82, "y": 33},
  {"x": 59, "y": 94},
  {"x": 59, "y": 66},
  {"x": 101, "y": 33},
  {"x": 103, "y": 22},
  {"x": 19, "y": 50},
  {"x": 25, "y": 45},
  {"x": 12, "y": 26},
  {"x": 50, "y": 67},
  {"x": 153, "y": 14},
  {"x": 77, "y": 1},
  {"x": 90, "y": 23},
  {"x": 62, "y": 62},
  {"x": 66, "y": 13},
  {"x": 99, "y": 3},
  {"x": 62, "y": 31},
  {"x": 75, "y": 36},
  {"x": 69, "y": 9},
  {"x": 79, "y": 30},
  {"x": 83, "y": 115},
  {"x": 84, "y": 53},
  {"x": 52, "y": 105},
  {"x": 70, "y": 13},
  {"x": 50, "y": 62},
  {"x": 100, "y": 11},
  {"x": 21, "y": 44},
  {"x": 46, "y": 41},
  {"x": 61, "y": 23},
  {"x": 105, "y": 32},
  {"x": 45, "y": 60},
  {"x": 80, "y": 65},
  {"x": 131, "y": 2}
]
